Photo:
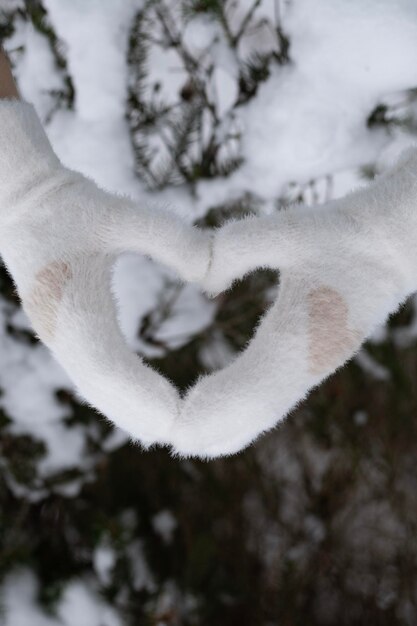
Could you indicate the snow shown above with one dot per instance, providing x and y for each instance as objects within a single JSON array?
[
  {"x": 99, "y": 71},
  {"x": 37, "y": 61},
  {"x": 370, "y": 366},
  {"x": 29, "y": 378},
  {"x": 164, "y": 524},
  {"x": 308, "y": 119},
  {"x": 104, "y": 559},
  {"x": 141, "y": 576},
  {"x": 80, "y": 604}
]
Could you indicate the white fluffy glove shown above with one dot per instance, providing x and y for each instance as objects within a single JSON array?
[
  {"x": 344, "y": 267},
  {"x": 59, "y": 237}
]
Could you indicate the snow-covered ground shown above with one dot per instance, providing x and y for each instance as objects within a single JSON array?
[{"x": 307, "y": 122}]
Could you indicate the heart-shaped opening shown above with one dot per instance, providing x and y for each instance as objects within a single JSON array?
[{"x": 236, "y": 315}]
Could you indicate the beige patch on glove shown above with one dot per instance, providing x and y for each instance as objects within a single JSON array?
[
  {"x": 42, "y": 305},
  {"x": 330, "y": 338}
]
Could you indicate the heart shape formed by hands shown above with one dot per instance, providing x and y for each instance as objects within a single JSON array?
[{"x": 344, "y": 267}]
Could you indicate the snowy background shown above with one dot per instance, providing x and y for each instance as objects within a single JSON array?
[{"x": 214, "y": 109}]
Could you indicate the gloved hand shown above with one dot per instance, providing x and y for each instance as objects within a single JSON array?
[
  {"x": 59, "y": 237},
  {"x": 345, "y": 266}
]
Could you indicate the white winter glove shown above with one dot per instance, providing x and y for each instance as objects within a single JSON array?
[
  {"x": 59, "y": 237},
  {"x": 344, "y": 267}
]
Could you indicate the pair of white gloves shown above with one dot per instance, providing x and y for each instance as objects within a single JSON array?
[{"x": 344, "y": 267}]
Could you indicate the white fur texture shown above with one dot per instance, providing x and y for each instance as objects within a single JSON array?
[
  {"x": 60, "y": 235},
  {"x": 344, "y": 267}
]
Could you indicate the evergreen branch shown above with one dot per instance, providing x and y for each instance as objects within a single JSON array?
[
  {"x": 245, "y": 22},
  {"x": 39, "y": 18}
]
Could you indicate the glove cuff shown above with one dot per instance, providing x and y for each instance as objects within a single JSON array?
[{"x": 26, "y": 155}]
